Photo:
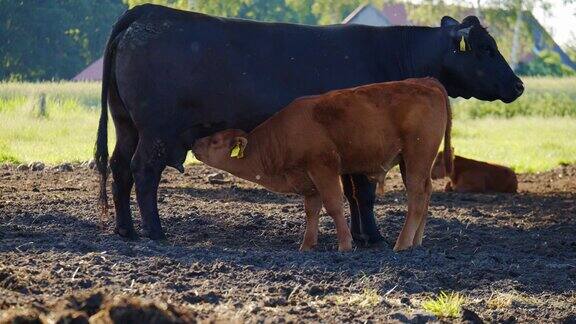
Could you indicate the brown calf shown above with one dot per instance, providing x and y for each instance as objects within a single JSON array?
[
  {"x": 305, "y": 148},
  {"x": 475, "y": 176}
]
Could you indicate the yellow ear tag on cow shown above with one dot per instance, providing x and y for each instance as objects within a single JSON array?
[
  {"x": 237, "y": 151},
  {"x": 462, "y": 45}
]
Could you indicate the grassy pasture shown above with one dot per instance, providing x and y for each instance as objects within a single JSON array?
[{"x": 535, "y": 133}]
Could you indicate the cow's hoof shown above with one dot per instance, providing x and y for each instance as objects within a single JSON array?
[
  {"x": 155, "y": 235},
  {"x": 126, "y": 233},
  {"x": 363, "y": 240}
]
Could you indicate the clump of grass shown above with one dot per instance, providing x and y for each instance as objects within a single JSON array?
[
  {"x": 445, "y": 305},
  {"x": 369, "y": 298}
]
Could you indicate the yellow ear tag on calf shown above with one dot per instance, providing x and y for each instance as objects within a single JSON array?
[
  {"x": 237, "y": 151},
  {"x": 462, "y": 45}
]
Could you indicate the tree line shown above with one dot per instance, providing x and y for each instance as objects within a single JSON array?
[{"x": 55, "y": 39}]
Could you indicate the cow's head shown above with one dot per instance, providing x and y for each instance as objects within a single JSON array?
[
  {"x": 221, "y": 149},
  {"x": 473, "y": 66}
]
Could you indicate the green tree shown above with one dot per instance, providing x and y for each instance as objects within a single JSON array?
[
  {"x": 547, "y": 63},
  {"x": 212, "y": 7},
  {"x": 52, "y": 39},
  {"x": 276, "y": 10}
]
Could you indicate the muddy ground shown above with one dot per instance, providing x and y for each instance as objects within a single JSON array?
[{"x": 232, "y": 253}]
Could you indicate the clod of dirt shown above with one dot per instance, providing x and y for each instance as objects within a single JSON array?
[
  {"x": 69, "y": 317},
  {"x": 20, "y": 316},
  {"x": 405, "y": 301},
  {"x": 209, "y": 298},
  {"x": 90, "y": 304},
  {"x": 469, "y": 317},
  {"x": 64, "y": 167},
  {"x": 36, "y": 166},
  {"x": 10, "y": 281},
  {"x": 217, "y": 178},
  {"x": 92, "y": 164},
  {"x": 315, "y": 290},
  {"x": 131, "y": 310}
]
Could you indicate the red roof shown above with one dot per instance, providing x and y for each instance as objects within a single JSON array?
[{"x": 92, "y": 73}]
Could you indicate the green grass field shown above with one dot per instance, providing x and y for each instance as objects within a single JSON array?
[{"x": 535, "y": 133}]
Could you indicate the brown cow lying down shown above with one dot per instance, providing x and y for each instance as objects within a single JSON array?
[
  {"x": 305, "y": 148},
  {"x": 475, "y": 176}
]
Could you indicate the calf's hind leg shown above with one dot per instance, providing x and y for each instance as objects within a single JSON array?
[
  {"x": 312, "y": 206},
  {"x": 418, "y": 188},
  {"x": 327, "y": 182}
]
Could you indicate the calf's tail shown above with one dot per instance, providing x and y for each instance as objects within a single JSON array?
[
  {"x": 101, "y": 147},
  {"x": 448, "y": 155}
]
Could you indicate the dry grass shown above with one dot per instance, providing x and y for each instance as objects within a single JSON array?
[
  {"x": 367, "y": 299},
  {"x": 507, "y": 300}
]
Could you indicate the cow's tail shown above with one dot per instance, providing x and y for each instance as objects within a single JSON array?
[
  {"x": 101, "y": 147},
  {"x": 448, "y": 154}
]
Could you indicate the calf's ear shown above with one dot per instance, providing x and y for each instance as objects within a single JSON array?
[{"x": 238, "y": 146}]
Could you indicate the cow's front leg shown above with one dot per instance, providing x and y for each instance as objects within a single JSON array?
[
  {"x": 360, "y": 192},
  {"x": 147, "y": 166}
]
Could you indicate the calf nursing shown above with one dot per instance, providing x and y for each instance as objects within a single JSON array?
[{"x": 305, "y": 148}]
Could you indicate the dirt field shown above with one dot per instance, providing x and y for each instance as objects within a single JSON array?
[{"x": 232, "y": 254}]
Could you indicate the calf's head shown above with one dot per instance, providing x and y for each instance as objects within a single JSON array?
[
  {"x": 221, "y": 150},
  {"x": 473, "y": 67}
]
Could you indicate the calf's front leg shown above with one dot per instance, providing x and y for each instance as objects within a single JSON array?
[
  {"x": 312, "y": 207},
  {"x": 327, "y": 183}
]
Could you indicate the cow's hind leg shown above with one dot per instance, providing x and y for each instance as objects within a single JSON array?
[
  {"x": 126, "y": 141},
  {"x": 147, "y": 165},
  {"x": 312, "y": 206}
]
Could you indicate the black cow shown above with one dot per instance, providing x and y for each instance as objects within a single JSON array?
[{"x": 172, "y": 76}]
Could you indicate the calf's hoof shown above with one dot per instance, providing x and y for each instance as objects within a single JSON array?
[
  {"x": 401, "y": 247},
  {"x": 306, "y": 248},
  {"x": 345, "y": 247}
]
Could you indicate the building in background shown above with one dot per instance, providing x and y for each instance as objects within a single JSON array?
[
  {"x": 395, "y": 14},
  {"x": 92, "y": 73}
]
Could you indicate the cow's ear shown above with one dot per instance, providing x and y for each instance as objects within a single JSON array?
[
  {"x": 471, "y": 21},
  {"x": 448, "y": 21}
]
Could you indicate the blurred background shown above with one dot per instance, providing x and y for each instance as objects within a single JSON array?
[{"x": 51, "y": 66}]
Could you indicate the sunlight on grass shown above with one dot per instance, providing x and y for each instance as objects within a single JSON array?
[
  {"x": 68, "y": 133},
  {"x": 527, "y": 144},
  {"x": 445, "y": 305}
]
